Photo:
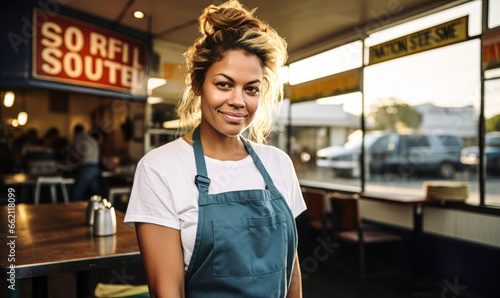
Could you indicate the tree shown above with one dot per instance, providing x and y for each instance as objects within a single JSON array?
[
  {"x": 391, "y": 113},
  {"x": 493, "y": 124}
]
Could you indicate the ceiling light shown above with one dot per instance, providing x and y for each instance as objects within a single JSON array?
[
  {"x": 14, "y": 123},
  {"x": 155, "y": 82},
  {"x": 8, "y": 99},
  {"x": 22, "y": 118},
  {"x": 138, "y": 14},
  {"x": 154, "y": 100}
]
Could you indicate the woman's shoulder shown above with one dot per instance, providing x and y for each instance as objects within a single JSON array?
[
  {"x": 167, "y": 153},
  {"x": 270, "y": 152}
]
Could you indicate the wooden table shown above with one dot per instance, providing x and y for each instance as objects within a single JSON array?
[{"x": 53, "y": 238}]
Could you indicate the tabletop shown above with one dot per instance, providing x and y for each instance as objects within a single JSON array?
[
  {"x": 52, "y": 238},
  {"x": 399, "y": 199}
]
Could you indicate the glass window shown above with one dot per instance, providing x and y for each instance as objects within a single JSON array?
[
  {"x": 492, "y": 141},
  {"x": 421, "y": 119},
  {"x": 325, "y": 141},
  {"x": 493, "y": 13},
  {"x": 327, "y": 63},
  {"x": 418, "y": 141},
  {"x": 449, "y": 141},
  {"x": 325, "y": 132},
  {"x": 380, "y": 144},
  {"x": 428, "y": 104}
]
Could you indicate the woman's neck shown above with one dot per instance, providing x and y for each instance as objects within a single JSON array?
[{"x": 219, "y": 146}]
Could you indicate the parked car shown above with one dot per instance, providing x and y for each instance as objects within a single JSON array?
[
  {"x": 397, "y": 153},
  {"x": 470, "y": 155},
  {"x": 344, "y": 160}
]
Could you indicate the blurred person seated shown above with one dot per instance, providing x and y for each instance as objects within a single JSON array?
[
  {"x": 50, "y": 137},
  {"x": 37, "y": 158}
]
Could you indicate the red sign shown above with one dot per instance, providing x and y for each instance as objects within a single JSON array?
[
  {"x": 491, "y": 50},
  {"x": 70, "y": 51}
]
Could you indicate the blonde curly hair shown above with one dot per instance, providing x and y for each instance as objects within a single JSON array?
[{"x": 230, "y": 26}]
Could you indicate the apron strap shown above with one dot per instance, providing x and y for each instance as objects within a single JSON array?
[
  {"x": 260, "y": 166},
  {"x": 203, "y": 182},
  {"x": 201, "y": 179}
]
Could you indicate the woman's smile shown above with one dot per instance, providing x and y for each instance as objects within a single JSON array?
[{"x": 233, "y": 117}]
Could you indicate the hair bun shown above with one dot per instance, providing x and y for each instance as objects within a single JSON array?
[{"x": 230, "y": 14}]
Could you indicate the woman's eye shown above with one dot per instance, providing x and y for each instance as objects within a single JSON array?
[
  {"x": 223, "y": 85},
  {"x": 252, "y": 89}
]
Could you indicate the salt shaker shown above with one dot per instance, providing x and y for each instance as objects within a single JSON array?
[
  {"x": 93, "y": 203},
  {"x": 104, "y": 219}
]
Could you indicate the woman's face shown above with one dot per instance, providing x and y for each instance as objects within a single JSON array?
[{"x": 230, "y": 94}]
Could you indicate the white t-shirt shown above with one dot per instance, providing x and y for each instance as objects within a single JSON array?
[
  {"x": 164, "y": 192},
  {"x": 87, "y": 147}
]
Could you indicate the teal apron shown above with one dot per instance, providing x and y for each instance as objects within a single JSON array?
[{"x": 245, "y": 241}]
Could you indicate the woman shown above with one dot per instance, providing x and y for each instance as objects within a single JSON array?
[{"x": 214, "y": 213}]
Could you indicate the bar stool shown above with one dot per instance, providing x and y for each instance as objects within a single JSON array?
[{"x": 52, "y": 182}]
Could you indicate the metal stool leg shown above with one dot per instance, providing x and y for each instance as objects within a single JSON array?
[
  {"x": 64, "y": 192},
  {"x": 37, "y": 193},
  {"x": 53, "y": 193}
]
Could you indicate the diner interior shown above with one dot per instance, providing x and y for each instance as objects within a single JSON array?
[{"x": 391, "y": 117}]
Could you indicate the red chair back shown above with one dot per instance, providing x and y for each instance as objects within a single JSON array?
[
  {"x": 315, "y": 201},
  {"x": 345, "y": 212}
]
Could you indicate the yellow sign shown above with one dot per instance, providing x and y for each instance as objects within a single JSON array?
[
  {"x": 342, "y": 83},
  {"x": 441, "y": 35}
]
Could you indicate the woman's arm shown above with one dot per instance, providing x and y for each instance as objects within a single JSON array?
[
  {"x": 295, "y": 290},
  {"x": 161, "y": 252}
]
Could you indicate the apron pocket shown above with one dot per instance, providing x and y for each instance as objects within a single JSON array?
[{"x": 249, "y": 246}]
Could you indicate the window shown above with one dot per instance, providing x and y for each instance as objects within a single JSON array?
[
  {"x": 429, "y": 102},
  {"x": 450, "y": 141},
  {"x": 429, "y": 105},
  {"x": 492, "y": 141},
  {"x": 330, "y": 62},
  {"x": 325, "y": 135},
  {"x": 493, "y": 13},
  {"x": 422, "y": 116},
  {"x": 326, "y": 141},
  {"x": 380, "y": 144}
]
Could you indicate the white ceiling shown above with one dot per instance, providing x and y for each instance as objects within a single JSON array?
[{"x": 307, "y": 25}]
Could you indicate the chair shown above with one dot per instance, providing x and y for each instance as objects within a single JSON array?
[
  {"x": 347, "y": 228},
  {"x": 316, "y": 210},
  {"x": 314, "y": 221},
  {"x": 52, "y": 182}
]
